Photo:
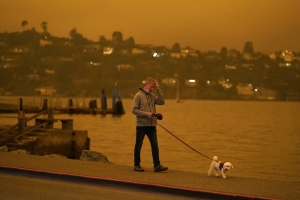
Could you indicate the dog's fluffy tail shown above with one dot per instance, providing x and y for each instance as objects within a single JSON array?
[{"x": 215, "y": 158}]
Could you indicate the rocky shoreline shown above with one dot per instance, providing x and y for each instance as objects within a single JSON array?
[{"x": 86, "y": 155}]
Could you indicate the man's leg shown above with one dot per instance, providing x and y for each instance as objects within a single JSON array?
[
  {"x": 151, "y": 133},
  {"x": 140, "y": 134}
]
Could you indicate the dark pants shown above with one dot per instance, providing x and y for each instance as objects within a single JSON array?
[{"x": 150, "y": 131}]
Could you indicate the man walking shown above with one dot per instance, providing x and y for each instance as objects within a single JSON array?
[{"x": 144, "y": 107}]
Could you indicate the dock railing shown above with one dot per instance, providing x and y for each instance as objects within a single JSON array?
[{"x": 19, "y": 130}]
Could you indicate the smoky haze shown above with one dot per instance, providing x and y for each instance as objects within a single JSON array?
[{"x": 204, "y": 25}]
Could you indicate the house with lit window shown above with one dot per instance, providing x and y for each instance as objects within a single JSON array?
[{"x": 47, "y": 90}]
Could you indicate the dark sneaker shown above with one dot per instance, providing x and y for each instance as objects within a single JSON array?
[
  {"x": 160, "y": 168},
  {"x": 138, "y": 168}
]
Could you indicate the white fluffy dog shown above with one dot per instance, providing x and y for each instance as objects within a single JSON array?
[{"x": 219, "y": 166}]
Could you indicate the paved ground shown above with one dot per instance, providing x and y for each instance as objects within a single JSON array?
[{"x": 170, "y": 180}]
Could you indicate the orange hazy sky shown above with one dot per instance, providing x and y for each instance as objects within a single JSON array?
[{"x": 271, "y": 25}]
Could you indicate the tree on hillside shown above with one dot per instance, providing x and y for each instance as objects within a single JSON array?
[
  {"x": 23, "y": 24},
  {"x": 248, "y": 48},
  {"x": 103, "y": 41},
  {"x": 77, "y": 37},
  {"x": 223, "y": 52},
  {"x": 129, "y": 42},
  {"x": 74, "y": 35},
  {"x": 176, "y": 48},
  {"x": 78, "y": 40},
  {"x": 117, "y": 37},
  {"x": 44, "y": 26}
]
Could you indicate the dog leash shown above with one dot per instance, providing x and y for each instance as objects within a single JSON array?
[{"x": 182, "y": 140}]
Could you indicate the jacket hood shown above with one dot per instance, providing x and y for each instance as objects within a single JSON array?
[{"x": 142, "y": 90}]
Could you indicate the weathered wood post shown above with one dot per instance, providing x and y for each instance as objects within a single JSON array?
[
  {"x": 50, "y": 124},
  {"x": 70, "y": 106},
  {"x": 21, "y": 118},
  {"x": 57, "y": 104},
  {"x": 45, "y": 104},
  {"x": 20, "y": 108},
  {"x": 77, "y": 104},
  {"x": 103, "y": 100}
]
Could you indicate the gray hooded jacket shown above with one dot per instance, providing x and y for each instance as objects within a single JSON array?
[{"x": 143, "y": 103}]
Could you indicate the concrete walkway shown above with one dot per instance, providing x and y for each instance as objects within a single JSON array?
[{"x": 201, "y": 184}]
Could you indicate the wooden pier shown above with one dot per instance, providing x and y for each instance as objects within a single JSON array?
[
  {"x": 70, "y": 108},
  {"x": 43, "y": 138}
]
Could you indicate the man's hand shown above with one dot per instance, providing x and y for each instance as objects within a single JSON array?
[
  {"x": 156, "y": 85},
  {"x": 149, "y": 114}
]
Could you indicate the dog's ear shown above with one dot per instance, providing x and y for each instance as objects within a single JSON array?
[{"x": 231, "y": 166}]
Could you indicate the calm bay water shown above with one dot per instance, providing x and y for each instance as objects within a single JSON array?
[{"x": 261, "y": 139}]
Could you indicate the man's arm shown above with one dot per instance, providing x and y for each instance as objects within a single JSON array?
[
  {"x": 159, "y": 100},
  {"x": 136, "y": 107}
]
